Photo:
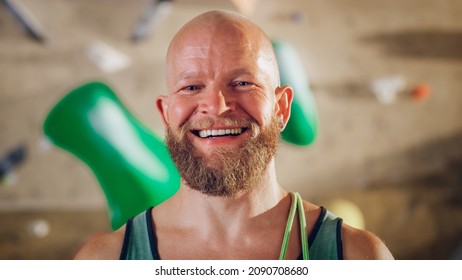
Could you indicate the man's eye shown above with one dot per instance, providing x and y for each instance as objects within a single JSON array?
[
  {"x": 191, "y": 88},
  {"x": 242, "y": 84}
]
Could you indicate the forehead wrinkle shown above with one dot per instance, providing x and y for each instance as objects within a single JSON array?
[
  {"x": 189, "y": 75},
  {"x": 193, "y": 51}
]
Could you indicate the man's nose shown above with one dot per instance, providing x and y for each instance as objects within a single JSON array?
[{"x": 216, "y": 102}]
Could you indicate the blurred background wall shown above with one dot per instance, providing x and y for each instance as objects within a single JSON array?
[{"x": 391, "y": 163}]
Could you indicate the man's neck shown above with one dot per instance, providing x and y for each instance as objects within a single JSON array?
[{"x": 228, "y": 215}]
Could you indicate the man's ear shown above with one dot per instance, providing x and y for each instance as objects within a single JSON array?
[
  {"x": 284, "y": 97},
  {"x": 162, "y": 106}
]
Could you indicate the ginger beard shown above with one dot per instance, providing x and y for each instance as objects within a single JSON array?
[{"x": 228, "y": 171}]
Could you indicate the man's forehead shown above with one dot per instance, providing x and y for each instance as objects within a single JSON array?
[
  {"x": 195, "y": 49},
  {"x": 192, "y": 72},
  {"x": 210, "y": 37},
  {"x": 191, "y": 51}
]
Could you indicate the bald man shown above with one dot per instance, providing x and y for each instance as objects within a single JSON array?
[{"x": 223, "y": 116}]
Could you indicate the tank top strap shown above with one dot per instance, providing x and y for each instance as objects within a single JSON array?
[
  {"x": 326, "y": 238},
  {"x": 140, "y": 242}
]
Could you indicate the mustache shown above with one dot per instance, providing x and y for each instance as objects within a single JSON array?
[{"x": 208, "y": 122}]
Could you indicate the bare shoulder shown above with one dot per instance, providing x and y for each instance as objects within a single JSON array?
[
  {"x": 102, "y": 246},
  {"x": 357, "y": 244},
  {"x": 363, "y": 245}
]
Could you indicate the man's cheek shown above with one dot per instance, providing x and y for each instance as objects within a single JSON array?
[{"x": 180, "y": 111}]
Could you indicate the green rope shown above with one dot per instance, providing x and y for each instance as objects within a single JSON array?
[
  {"x": 303, "y": 236},
  {"x": 290, "y": 221},
  {"x": 297, "y": 202}
]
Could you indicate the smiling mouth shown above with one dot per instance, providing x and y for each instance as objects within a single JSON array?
[{"x": 209, "y": 133}]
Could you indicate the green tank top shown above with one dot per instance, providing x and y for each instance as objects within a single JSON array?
[{"x": 324, "y": 243}]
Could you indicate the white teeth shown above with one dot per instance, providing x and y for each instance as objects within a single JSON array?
[
  {"x": 219, "y": 132},
  {"x": 203, "y": 133}
]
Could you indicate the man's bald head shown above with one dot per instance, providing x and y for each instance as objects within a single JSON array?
[{"x": 213, "y": 27}]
